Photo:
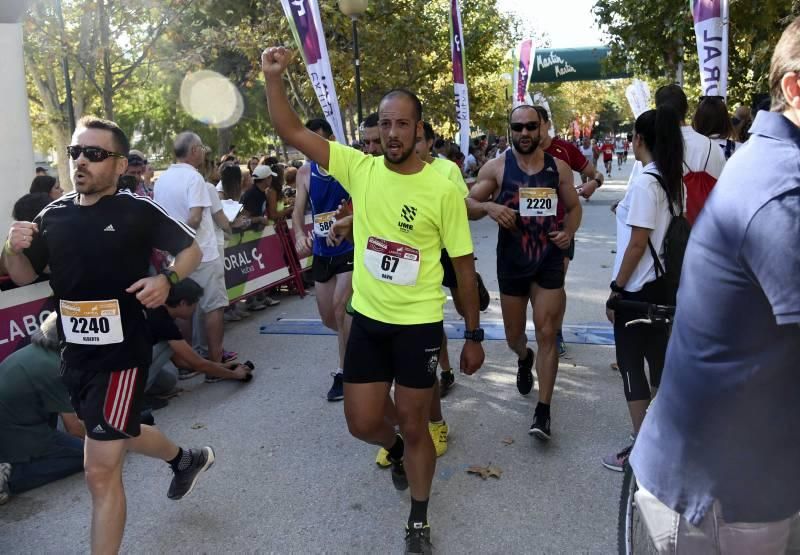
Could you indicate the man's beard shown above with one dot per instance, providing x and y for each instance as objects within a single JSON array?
[
  {"x": 405, "y": 154},
  {"x": 534, "y": 144}
]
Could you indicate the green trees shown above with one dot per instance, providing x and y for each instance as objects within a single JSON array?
[
  {"x": 652, "y": 37},
  {"x": 127, "y": 60}
]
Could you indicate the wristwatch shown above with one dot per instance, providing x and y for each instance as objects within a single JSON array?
[
  {"x": 474, "y": 335},
  {"x": 616, "y": 288},
  {"x": 172, "y": 276}
]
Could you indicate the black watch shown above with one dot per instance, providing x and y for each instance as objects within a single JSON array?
[
  {"x": 172, "y": 276},
  {"x": 474, "y": 335},
  {"x": 616, "y": 288}
]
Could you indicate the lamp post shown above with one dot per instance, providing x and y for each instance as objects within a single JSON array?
[{"x": 353, "y": 9}]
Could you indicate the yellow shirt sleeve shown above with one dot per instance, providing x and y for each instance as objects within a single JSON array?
[
  {"x": 455, "y": 232},
  {"x": 346, "y": 165},
  {"x": 454, "y": 174}
]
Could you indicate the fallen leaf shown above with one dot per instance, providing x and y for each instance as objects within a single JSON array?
[
  {"x": 495, "y": 471},
  {"x": 482, "y": 471},
  {"x": 198, "y": 426},
  {"x": 605, "y": 266},
  {"x": 508, "y": 440},
  {"x": 485, "y": 471}
]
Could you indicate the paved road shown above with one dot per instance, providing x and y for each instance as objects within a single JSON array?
[{"x": 289, "y": 478}]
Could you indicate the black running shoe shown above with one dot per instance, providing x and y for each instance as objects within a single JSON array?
[
  {"x": 524, "y": 374},
  {"x": 483, "y": 294},
  {"x": 446, "y": 382},
  {"x": 336, "y": 392},
  {"x": 418, "y": 539},
  {"x": 540, "y": 428},
  {"x": 399, "y": 478},
  {"x": 184, "y": 480}
]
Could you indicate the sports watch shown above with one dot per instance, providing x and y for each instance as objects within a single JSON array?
[
  {"x": 172, "y": 276},
  {"x": 474, "y": 335}
]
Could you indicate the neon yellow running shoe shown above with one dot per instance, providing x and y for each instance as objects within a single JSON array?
[
  {"x": 382, "y": 459},
  {"x": 439, "y": 434}
]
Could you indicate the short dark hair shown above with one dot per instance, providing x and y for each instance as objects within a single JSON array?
[
  {"x": 785, "y": 59},
  {"x": 41, "y": 169},
  {"x": 408, "y": 94},
  {"x": 673, "y": 96},
  {"x": 521, "y": 107},
  {"x": 186, "y": 290},
  {"x": 371, "y": 120},
  {"x": 28, "y": 206},
  {"x": 316, "y": 124},
  {"x": 42, "y": 184},
  {"x": 712, "y": 118},
  {"x": 543, "y": 115},
  {"x": 428, "y": 130},
  {"x": 121, "y": 142},
  {"x": 439, "y": 143}
]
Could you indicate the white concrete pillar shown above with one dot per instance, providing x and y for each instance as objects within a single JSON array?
[{"x": 16, "y": 141}]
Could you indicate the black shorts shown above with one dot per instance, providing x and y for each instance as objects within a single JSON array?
[
  {"x": 381, "y": 352},
  {"x": 323, "y": 268},
  {"x": 549, "y": 275},
  {"x": 449, "y": 279},
  {"x": 109, "y": 403}
]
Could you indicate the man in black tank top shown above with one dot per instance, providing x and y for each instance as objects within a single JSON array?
[{"x": 521, "y": 192}]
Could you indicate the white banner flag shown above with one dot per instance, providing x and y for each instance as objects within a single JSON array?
[
  {"x": 306, "y": 25},
  {"x": 459, "y": 76},
  {"x": 711, "y": 30},
  {"x": 638, "y": 95},
  {"x": 523, "y": 67}
]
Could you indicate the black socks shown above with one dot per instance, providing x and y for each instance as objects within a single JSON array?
[
  {"x": 396, "y": 450},
  {"x": 181, "y": 461},
  {"x": 543, "y": 410},
  {"x": 419, "y": 514}
]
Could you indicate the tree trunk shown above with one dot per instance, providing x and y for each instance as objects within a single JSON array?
[
  {"x": 108, "y": 83},
  {"x": 61, "y": 139},
  {"x": 224, "y": 136}
]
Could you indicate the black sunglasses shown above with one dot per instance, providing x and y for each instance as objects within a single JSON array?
[
  {"x": 92, "y": 153},
  {"x": 530, "y": 126}
]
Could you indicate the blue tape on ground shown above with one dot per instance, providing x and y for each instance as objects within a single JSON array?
[{"x": 584, "y": 334}]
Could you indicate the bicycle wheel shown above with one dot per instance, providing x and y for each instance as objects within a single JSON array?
[{"x": 632, "y": 535}]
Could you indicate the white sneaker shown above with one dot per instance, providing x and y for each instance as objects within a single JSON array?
[
  {"x": 269, "y": 301},
  {"x": 5, "y": 474}
]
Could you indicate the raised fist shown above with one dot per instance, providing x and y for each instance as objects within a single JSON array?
[{"x": 275, "y": 60}]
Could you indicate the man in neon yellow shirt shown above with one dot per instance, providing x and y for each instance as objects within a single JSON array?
[{"x": 404, "y": 212}]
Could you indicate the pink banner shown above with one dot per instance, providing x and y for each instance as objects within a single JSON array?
[{"x": 459, "y": 77}]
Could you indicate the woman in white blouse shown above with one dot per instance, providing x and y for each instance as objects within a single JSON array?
[{"x": 643, "y": 216}]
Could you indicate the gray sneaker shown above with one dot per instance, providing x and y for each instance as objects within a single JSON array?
[
  {"x": 184, "y": 480},
  {"x": 618, "y": 461}
]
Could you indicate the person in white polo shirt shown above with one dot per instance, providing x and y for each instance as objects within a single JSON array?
[{"x": 183, "y": 193}]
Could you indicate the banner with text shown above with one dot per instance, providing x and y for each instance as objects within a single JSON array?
[
  {"x": 22, "y": 311},
  {"x": 638, "y": 95},
  {"x": 711, "y": 29},
  {"x": 521, "y": 79},
  {"x": 459, "y": 76},
  {"x": 306, "y": 26}
]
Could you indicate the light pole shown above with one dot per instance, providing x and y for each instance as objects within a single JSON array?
[{"x": 353, "y": 9}]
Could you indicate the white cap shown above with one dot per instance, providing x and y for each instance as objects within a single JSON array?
[{"x": 263, "y": 172}]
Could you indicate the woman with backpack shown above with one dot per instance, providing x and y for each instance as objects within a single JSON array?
[
  {"x": 712, "y": 120},
  {"x": 643, "y": 217}
]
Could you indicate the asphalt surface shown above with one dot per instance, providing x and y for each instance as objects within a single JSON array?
[{"x": 290, "y": 479}]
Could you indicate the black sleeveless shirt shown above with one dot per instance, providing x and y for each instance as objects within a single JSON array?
[{"x": 520, "y": 251}]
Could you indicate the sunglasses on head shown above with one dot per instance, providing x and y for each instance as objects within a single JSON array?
[
  {"x": 530, "y": 126},
  {"x": 711, "y": 97},
  {"x": 92, "y": 153}
]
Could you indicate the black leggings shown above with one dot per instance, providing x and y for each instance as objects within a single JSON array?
[{"x": 641, "y": 342}]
